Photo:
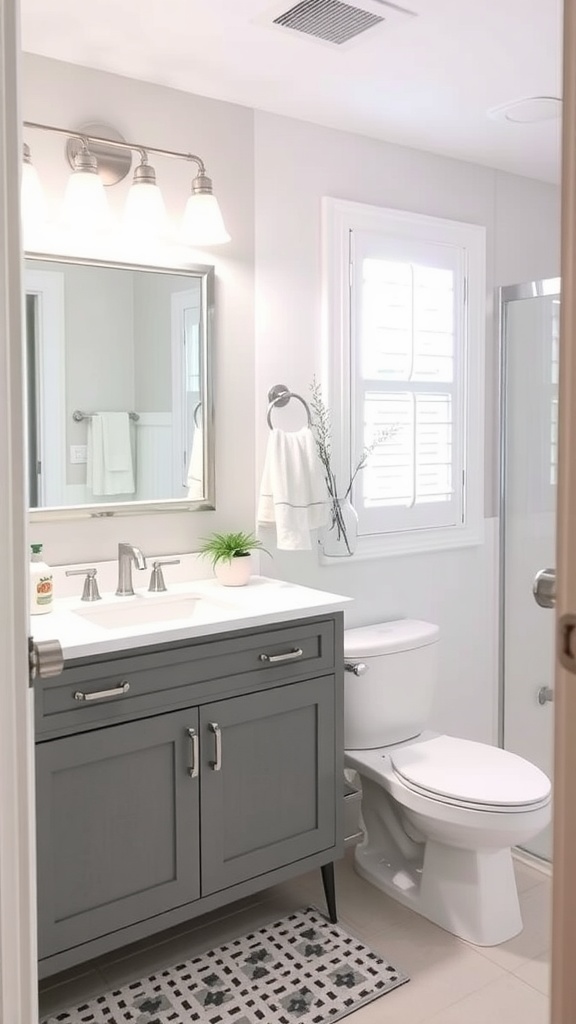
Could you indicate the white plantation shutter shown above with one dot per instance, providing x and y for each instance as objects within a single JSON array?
[
  {"x": 408, "y": 361},
  {"x": 404, "y": 329}
]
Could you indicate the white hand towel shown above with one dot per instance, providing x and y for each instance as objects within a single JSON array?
[
  {"x": 293, "y": 492},
  {"x": 195, "y": 476},
  {"x": 110, "y": 467}
]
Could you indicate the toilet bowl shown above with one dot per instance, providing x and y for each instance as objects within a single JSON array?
[{"x": 440, "y": 814}]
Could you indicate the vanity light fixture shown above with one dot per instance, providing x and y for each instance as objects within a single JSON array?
[
  {"x": 144, "y": 212},
  {"x": 85, "y": 204},
  {"x": 32, "y": 198},
  {"x": 98, "y": 160},
  {"x": 202, "y": 217}
]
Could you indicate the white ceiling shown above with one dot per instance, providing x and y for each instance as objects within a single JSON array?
[{"x": 423, "y": 81}]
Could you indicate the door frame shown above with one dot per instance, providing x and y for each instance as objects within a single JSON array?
[
  {"x": 47, "y": 286},
  {"x": 18, "y": 974},
  {"x": 18, "y": 971},
  {"x": 563, "y": 987}
]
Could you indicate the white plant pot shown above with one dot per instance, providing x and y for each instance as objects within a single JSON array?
[{"x": 235, "y": 573}]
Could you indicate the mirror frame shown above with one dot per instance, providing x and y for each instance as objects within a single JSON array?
[{"x": 206, "y": 274}]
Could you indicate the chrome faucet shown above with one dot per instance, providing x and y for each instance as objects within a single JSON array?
[{"x": 128, "y": 553}]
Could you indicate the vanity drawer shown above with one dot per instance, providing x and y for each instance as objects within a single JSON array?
[{"x": 90, "y": 692}]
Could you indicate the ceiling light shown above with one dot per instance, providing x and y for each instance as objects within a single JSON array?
[
  {"x": 203, "y": 223},
  {"x": 100, "y": 156},
  {"x": 144, "y": 212},
  {"x": 32, "y": 198},
  {"x": 85, "y": 204},
  {"x": 528, "y": 111}
]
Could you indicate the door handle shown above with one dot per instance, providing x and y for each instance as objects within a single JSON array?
[
  {"x": 45, "y": 658},
  {"x": 544, "y": 588},
  {"x": 216, "y": 764},
  {"x": 545, "y": 695}
]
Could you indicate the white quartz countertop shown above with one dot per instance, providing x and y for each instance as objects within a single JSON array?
[{"x": 187, "y": 610}]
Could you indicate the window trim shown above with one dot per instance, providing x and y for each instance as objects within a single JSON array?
[{"x": 339, "y": 218}]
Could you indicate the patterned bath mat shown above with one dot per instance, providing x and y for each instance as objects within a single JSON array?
[{"x": 300, "y": 970}]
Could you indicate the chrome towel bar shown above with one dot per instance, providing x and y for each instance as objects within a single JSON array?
[{"x": 77, "y": 415}]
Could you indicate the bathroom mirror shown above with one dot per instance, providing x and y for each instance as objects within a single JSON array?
[{"x": 119, "y": 387}]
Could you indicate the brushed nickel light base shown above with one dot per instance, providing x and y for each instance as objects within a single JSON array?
[{"x": 113, "y": 163}]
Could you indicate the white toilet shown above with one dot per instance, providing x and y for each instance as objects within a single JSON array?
[{"x": 440, "y": 814}]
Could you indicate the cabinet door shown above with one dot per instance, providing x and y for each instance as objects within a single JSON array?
[
  {"x": 272, "y": 799},
  {"x": 117, "y": 814}
]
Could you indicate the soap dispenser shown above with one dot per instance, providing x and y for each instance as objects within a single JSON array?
[{"x": 41, "y": 585}]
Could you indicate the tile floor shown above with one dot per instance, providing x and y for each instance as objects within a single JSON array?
[{"x": 452, "y": 982}]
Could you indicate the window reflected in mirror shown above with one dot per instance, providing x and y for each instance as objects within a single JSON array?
[{"x": 118, "y": 386}]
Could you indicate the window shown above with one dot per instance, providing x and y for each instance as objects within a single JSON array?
[{"x": 405, "y": 322}]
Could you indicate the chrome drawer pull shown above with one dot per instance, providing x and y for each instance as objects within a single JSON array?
[
  {"x": 101, "y": 694},
  {"x": 193, "y": 768},
  {"x": 216, "y": 764},
  {"x": 273, "y": 659}
]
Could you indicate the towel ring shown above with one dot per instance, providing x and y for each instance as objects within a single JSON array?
[
  {"x": 195, "y": 414},
  {"x": 280, "y": 396}
]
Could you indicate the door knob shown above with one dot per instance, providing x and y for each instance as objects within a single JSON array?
[
  {"x": 544, "y": 588},
  {"x": 45, "y": 658},
  {"x": 545, "y": 695}
]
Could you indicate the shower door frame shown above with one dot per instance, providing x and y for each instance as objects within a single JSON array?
[{"x": 549, "y": 286}]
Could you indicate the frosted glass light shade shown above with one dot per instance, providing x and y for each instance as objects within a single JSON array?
[
  {"x": 85, "y": 204},
  {"x": 203, "y": 223},
  {"x": 144, "y": 213},
  {"x": 32, "y": 199}
]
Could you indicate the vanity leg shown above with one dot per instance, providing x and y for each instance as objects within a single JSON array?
[{"x": 330, "y": 891}]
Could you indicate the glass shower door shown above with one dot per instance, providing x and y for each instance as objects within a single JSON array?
[{"x": 530, "y": 333}]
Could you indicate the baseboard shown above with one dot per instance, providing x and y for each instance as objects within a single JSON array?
[{"x": 531, "y": 861}]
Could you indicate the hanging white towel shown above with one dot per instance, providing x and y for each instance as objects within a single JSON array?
[
  {"x": 195, "y": 476},
  {"x": 293, "y": 491},
  {"x": 110, "y": 467}
]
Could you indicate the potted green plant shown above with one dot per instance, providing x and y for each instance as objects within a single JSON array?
[{"x": 230, "y": 555}]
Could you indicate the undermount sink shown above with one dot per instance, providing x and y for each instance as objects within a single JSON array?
[{"x": 141, "y": 611}]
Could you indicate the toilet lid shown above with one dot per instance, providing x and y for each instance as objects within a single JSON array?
[{"x": 469, "y": 772}]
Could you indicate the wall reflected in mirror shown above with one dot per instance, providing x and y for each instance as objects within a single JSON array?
[{"x": 118, "y": 386}]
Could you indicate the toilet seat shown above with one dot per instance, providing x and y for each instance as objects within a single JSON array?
[{"x": 469, "y": 774}]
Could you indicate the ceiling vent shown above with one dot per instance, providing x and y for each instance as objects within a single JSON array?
[
  {"x": 335, "y": 22},
  {"x": 529, "y": 110},
  {"x": 330, "y": 20}
]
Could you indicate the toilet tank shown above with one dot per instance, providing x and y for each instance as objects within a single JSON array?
[{"x": 390, "y": 701}]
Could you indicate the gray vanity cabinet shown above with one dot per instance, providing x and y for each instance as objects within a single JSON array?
[
  {"x": 271, "y": 798},
  {"x": 174, "y": 780},
  {"x": 117, "y": 821}
]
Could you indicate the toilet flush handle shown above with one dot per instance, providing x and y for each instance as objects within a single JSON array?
[{"x": 358, "y": 668}]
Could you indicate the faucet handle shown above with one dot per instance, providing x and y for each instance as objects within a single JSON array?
[
  {"x": 90, "y": 590},
  {"x": 157, "y": 583}
]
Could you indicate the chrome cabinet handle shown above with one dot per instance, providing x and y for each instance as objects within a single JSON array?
[
  {"x": 216, "y": 764},
  {"x": 273, "y": 659},
  {"x": 193, "y": 767},
  {"x": 101, "y": 694}
]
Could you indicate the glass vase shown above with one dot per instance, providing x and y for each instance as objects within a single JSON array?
[{"x": 339, "y": 537}]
